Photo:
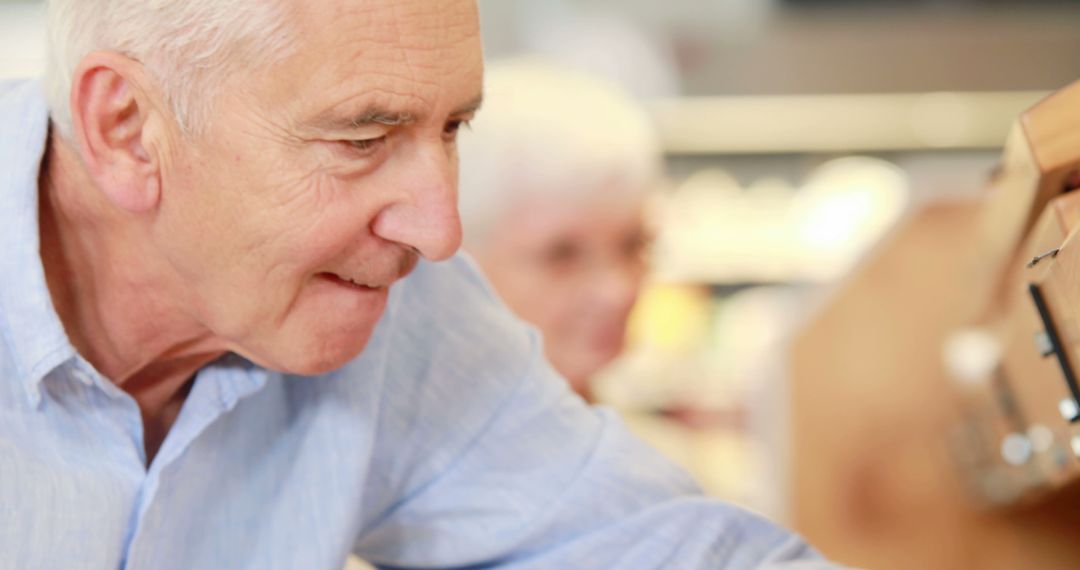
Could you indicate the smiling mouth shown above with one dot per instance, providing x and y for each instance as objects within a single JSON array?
[
  {"x": 346, "y": 282},
  {"x": 379, "y": 277}
]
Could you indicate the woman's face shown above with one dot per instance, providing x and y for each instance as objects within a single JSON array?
[{"x": 573, "y": 268}]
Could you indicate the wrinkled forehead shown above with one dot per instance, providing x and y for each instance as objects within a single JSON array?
[
  {"x": 423, "y": 54},
  {"x": 427, "y": 21}
]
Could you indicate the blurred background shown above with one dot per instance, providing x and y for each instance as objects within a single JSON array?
[
  {"x": 769, "y": 353},
  {"x": 797, "y": 135}
]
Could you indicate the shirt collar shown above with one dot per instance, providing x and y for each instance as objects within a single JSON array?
[{"x": 29, "y": 325}]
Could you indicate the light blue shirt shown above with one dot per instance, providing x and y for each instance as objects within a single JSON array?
[{"x": 448, "y": 443}]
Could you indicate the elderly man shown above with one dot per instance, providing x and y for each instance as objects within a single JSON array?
[{"x": 204, "y": 364}]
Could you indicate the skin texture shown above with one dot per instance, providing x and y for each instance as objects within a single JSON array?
[
  {"x": 164, "y": 250},
  {"x": 573, "y": 268}
]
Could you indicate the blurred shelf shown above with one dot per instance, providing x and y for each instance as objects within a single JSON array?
[{"x": 839, "y": 123}]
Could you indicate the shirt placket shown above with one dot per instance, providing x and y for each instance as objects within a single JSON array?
[{"x": 216, "y": 392}]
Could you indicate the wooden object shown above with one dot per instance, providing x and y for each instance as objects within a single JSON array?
[{"x": 896, "y": 461}]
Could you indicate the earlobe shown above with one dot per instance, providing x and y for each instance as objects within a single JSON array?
[{"x": 110, "y": 109}]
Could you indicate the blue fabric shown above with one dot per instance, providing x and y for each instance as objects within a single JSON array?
[{"x": 448, "y": 443}]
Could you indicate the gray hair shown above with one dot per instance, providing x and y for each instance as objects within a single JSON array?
[
  {"x": 552, "y": 130},
  {"x": 190, "y": 47}
]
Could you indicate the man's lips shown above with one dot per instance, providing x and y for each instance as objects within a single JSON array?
[
  {"x": 346, "y": 282},
  {"x": 378, "y": 276}
]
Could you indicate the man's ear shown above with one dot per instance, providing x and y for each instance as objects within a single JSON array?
[{"x": 110, "y": 110}]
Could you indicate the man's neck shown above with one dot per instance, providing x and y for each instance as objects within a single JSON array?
[{"x": 113, "y": 297}]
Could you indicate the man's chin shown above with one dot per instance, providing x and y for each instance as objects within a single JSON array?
[
  {"x": 310, "y": 357},
  {"x": 328, "y": 355},
  {"x": 325, "y": 333},
  {"x": 317, "y": 369}
]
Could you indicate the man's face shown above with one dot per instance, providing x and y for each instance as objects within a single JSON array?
[
  {"x": 320, "y": 180},
  {"x": 573, "y": 268}
]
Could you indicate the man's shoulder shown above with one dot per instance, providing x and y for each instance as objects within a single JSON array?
[
  {"x": 9, "y": 85},
  {"x": 23, "y": 118},
  {"x": 19, "y": 92}
]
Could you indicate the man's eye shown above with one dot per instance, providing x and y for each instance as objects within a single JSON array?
[
  {"x": 637, "y": 246},
  {"x": 451, "y": 129},
  {"x": 562, "y": 254},
  {"x": 367, "y": 146}
]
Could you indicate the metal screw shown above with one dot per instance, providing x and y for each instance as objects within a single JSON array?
[
  {"x": 1016, "y": 449},
  {"x": 1069, "y": 410},
  {"x": 1043, "y": 344}
]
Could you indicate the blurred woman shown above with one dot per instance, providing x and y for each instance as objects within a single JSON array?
[{"x": 554, "y": 178}]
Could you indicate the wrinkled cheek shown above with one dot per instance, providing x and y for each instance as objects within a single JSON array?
[{"x": 322, "y": 226}]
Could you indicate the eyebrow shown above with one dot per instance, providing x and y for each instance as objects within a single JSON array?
[
  {"x": 377, "y": 116},
  {"x": 469, "y": 108},
  {"x": 380, "y": 117}
]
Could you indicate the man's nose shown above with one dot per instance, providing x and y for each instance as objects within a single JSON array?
[
  {"x": 617, "y": 284},
  {"x": 425, "y": 215}
]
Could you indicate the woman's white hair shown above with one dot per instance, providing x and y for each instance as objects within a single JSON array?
[
  {"x": 547, "y": 129},
  {"x": 190, "y": 46}
]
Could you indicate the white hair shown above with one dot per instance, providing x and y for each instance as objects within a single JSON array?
[
  {"x": 551, "y": 130},
  {"x": 190, "y": 47}
]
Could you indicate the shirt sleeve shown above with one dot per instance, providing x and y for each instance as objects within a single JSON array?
[
  {"x": 542, "y": 480},
  {"x": 551, "y": 483}
]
